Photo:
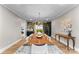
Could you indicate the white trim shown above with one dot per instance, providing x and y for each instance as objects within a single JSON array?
[
  {"x": 3, "y": 49},
  {"x": 76, "y": 49}
]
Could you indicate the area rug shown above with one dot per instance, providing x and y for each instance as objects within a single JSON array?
[{"x": 47, "y": 49}]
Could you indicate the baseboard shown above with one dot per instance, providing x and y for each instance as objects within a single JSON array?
[
  {"x": 3, "y": 49},
  {"x": 76, "y": 49}
]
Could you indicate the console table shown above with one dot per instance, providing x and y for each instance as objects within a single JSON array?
[{"x": 67, "y": 38}]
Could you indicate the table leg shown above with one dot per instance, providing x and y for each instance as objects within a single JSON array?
[
  {"x": 67, "y": 44},
  {"x": 55, "y": 37},
  {"x": 73, "y": 44},
  {"x": 59, "y": 38}
]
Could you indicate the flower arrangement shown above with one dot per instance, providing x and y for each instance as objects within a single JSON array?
[
  {"x": 40, "y": 30},
  {"x": 39, "y": 33}
]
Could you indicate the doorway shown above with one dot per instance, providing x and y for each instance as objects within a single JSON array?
[{"x": 47, "y": 28}]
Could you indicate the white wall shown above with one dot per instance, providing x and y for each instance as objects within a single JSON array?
[
  {"x": 59, "y": 24},
  {"x": 9, "y": 27}
]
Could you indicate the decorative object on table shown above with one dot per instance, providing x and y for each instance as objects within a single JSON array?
[
  {"x": 39, "y": 33},
  {"x": 69, "y": 29}
]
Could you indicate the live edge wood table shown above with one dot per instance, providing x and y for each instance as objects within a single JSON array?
[
  {"x": 59, "y": 35},
  {"x": 39, "y": 40}
]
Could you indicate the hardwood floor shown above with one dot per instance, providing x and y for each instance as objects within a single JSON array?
[
  {"x": 13, "y": 48},
  {"x": 61, "y": 46}
]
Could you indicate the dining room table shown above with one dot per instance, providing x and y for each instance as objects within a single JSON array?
[{"x": 34, "y": 39}]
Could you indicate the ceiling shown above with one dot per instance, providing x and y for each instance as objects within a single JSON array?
[{"x": 46, "y": 12}]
